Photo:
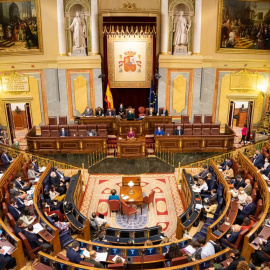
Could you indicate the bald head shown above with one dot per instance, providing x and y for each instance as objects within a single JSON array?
[
  {"x": 247, "y": 181},
  {"x": 93, "y": 254},
  {"x": 237, "y": 228}
]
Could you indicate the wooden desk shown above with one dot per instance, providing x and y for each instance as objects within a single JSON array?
[
  {"x": 131, "y": 148},
  {"x": 135, "y": 179},
  {"x": 45, "y": 235},
  {"x": 135, "y": 198},
  {"x": 264, "y": 234},
  {"x": 231, "y": 217},
  {"x": 141, "y": 259},
  {"x": 5, "y": 243}
]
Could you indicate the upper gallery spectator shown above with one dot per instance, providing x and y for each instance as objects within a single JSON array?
[
  {"x": 63, "y": 132},
  {"x": 178, "y": 131},
  {"x": 173, "y": 252},
  {"x": 73, "y": 253},
  {"x": 258, "y": 159},
  {"x": 87, "y": 112}
]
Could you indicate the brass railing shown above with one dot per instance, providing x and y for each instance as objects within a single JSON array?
[
  {"x": 247, "y": 150},
  {"x": 165, "y": 156}
]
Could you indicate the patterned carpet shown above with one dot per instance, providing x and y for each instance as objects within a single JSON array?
[{"x": 166, "y": 207}]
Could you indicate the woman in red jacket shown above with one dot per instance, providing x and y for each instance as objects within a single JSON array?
[{"x": 244, "y": 134}]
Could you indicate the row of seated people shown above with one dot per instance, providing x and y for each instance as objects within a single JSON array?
[
  {"x": 245, "y": 191},
  {"x": 18, "y": 207},
  {"x": 73, "y": 130},
  {"x": 187, "y": 129}
]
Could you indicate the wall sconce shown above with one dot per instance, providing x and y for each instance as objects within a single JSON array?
[
  {"x": 101, "y": 76},
  {"x": 157, "y": 76}
]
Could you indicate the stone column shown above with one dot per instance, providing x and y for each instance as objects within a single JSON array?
[
  {"x": 94, "y": 21},
  {"x": 197, "y": 27},
  {"x": 164, "y": 26},
  {"x": 61, "y": 28}
]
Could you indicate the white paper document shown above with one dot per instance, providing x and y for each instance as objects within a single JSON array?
[
  {"x": 6, "y": 249},
  {"x": 114, "y": 258},
  {"x": 125, "y": 197},
  {"x": 189, "y": 249},
  {"x": 37, "y": 228},
  {"x": 86, "y": 253},
  {"x": 102, "y": 256}
]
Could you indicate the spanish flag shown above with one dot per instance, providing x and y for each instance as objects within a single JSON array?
[{"x": 109, "y": 98}]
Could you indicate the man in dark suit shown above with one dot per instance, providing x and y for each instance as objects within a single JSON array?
[
  {"x": 13, "y": 210},
  {"x": 99, "y": 111},
  {"x": 87, "y": 112},
  {"x": 259, "y": 257},
  {"x": 223, "y": 165},
  {"x": 20, "y": 203},
  {"x": 212, "y": 195},
  {"x": 56, "y": 181},
  {"x": 239, "y": 182},
  {"x": 245, "y": 211},
  {"x": 164, "y": 112},
  {"x": 20, "y": 185},
  {"x": 73, "y": 253},
  {"x": 231, "y": 238},
  {"x": 266, "y": 171},
  {"x": 33, "y": 239},
  {"x": 19, "y": 227},
  {"x": 6, "y": 159},
  {"x": 121, "y": 110},
  {"x": 35, "y": 164},
  {"x": 110, "y": 112},
  {"x": 258, "y": 159},
  {"x": 202, "y": 174},
  {"x": 93, "y": 260},
  {"x": 178, "y": 131},
  {"x": 63, "y": 132},
  {"x": 60, "y": 174}
]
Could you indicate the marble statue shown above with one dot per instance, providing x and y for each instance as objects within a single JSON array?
[
  {"x": 181, "y": 31},
  {"x": 78, "y": 28}
]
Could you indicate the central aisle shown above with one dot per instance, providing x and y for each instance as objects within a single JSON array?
[{"x": 167, "y": 201}]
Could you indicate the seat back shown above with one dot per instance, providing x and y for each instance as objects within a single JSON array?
[
  {"x": 130, "y": 109},
  {"x": 184, "y": 119},
  {"x": 126, "y": 209},
  {"x": 254, "y": 195},
  {"x": 116, "y": 266},
  {"x": 62, "y": 257},
  {"x": 178, "y": 261},
  {"x": 258, "y": 209},
  {"x": 27, "y": 246},
  {"x": 197, "y": 131},
  {"x": 141, "y": 110},
  {"x": 208, "y": 119},
  {"x": 11, "y": 220},
  {"x": 214, "y": 131},
  {"x": 206, "y": 131},
  {"x": 86, "y": 263},
  {"x": 151, "y": 196},
  {"x": 62, "y": 120},
  {"x": 7, "y": 198},
  {"x": 240, "y": 238},
  {"x": 168, "y": 129},
  {"x": 45, "y": 131},
  {"x": 52, "y": 120},
  {"x": 5, "y": 208},
  {"x": 73, "y": 130},
  {"x": 102, "y": 132},
  {"x": 197, "y": 119},
  {"x": 82, "y": 132},
  {"x": 114, "y": 205}
]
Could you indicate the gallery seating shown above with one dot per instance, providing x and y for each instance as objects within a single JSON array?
[
  {"x": 114, "y": 205},
  {"x": 52, "y": 120}
]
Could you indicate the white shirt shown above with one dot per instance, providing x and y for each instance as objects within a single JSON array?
[
  {"x": 203, "y": 187},
  {"x": 207, "y": 250}
]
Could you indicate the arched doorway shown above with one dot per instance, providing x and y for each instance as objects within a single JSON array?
[{"x": 14, "y": 13}]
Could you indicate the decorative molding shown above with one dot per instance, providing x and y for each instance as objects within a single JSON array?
[{"x": 129, "y": 7}]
